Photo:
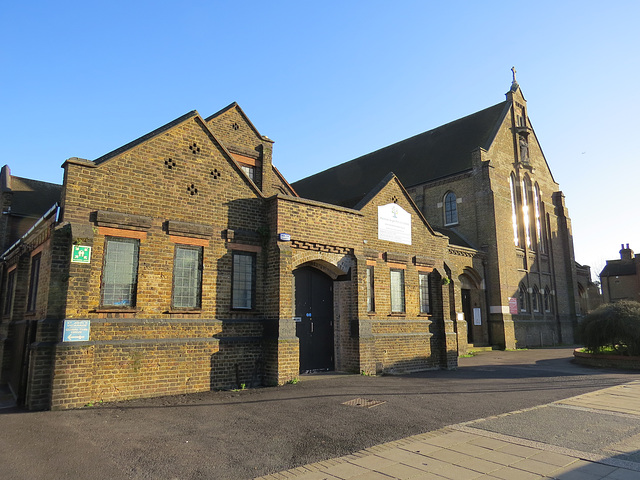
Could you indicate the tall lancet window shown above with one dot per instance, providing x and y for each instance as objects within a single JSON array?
[
  {"x": 536, "y": 200},
  {"x": 514, "y": 210},
  {"x": 526, "y": 214}
]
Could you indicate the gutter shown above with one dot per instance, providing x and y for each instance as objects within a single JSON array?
[{"x": 55, "y": 208}]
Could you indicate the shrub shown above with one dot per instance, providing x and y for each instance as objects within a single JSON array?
[{"x": 615, "y": 326}]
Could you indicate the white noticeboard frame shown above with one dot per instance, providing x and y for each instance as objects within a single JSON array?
[{"x": 394, "y": 224}]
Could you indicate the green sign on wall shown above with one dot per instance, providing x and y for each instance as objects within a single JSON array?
[{"x": 81, "y": 254}]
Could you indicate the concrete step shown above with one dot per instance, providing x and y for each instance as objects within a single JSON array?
[{"x": 479, "y": 348}]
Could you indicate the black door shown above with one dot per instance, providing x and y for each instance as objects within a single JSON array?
[
  {"x": 466, "y": 309},
  {"x": 314, "y": 309}
]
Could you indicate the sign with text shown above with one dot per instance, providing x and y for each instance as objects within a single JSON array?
[
  {"x": 76, "y": 330},
  {"x": 513, "y": 305},
  {"x": 394, "y": 224},
  {"x": 81, "y": 254}
]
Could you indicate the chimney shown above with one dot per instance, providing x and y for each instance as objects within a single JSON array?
[{"x": 626, "y": 253}]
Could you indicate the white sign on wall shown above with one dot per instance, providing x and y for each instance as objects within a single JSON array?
[{"x": 394, "y": 224}]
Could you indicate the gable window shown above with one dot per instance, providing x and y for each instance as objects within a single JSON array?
[
  {"x": 526, "y": 213},
  {"x": 8, "y": 298},
  {"x": 33, "y": 283},
  {"x": 450, "y": 209},
  {"x": 243, "y": 280},
  {"x": 523, "y": 299},
  {"x": 538, "y": 220},
  {"x": 249, "y": 170},
  {"x": 371, "y": 300},
  {"x": 397, "y": 290},
  {"x": 187, "y": 277},
  {"x": 514, "y": 210},
  {"x": 120, "y": 272},
  {"x": 425, "y": 306}
]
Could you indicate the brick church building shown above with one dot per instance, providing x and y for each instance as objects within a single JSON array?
[{"x": 184, "y": 261}]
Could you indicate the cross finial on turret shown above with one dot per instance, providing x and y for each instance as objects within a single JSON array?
[{"x": 513, "y": 70}]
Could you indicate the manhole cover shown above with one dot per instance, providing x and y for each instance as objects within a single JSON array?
[{"x": 363, "y": 402}]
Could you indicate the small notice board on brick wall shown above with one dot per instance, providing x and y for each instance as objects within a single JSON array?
[{"x": 76, "y": 330}]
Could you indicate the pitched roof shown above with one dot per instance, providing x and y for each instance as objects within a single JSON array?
[
  {"x": 616, "y": 268},
  {"x": 145, "y": 137},
  {"x": 438, "y": 153},
  {"x": 32, "y": 198}
]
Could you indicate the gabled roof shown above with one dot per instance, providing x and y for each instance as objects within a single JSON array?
[
  {"x": 244, "y": 115},
  {"x": 32, "y": 198},
  {"x": 146, "y": 137},
  {"x": 438, "y": 153},
  {"x": 391, "y": 177},
  {"x": 617, "y": 268}
]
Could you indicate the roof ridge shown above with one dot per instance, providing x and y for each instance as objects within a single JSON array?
[{"x": 145, "y": 137}]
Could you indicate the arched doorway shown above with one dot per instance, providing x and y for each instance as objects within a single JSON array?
[{"x": 314, "y": 316}]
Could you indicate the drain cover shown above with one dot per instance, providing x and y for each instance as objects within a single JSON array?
[{"x": 363, "y": 402}]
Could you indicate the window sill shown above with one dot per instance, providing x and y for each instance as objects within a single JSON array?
[
  {"x": 116, "y": 310},
  {"x": 175, "y": 311},
  {"x": 398, "y": 314},
  {"x": 425, "y": 314}
]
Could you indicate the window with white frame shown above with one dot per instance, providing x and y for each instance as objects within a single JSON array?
[
  {"x": 187, "y": 277},
  {"x": 243, "y": 280},
  {"x": 425, "y": 304},
  {"x": 397, "y": 290},
  {"x": 371, "y": 299},
  {"x": 120, "y": 272}
]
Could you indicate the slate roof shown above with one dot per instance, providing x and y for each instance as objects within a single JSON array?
[
  {"x": 32, "y": 198},
  {"x": 438, "y": 153},
  {"x": 454, "y": 237},
  {"x": 619, "y": 268}
]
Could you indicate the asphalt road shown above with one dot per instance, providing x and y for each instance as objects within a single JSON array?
[{"x": 240, "y": 435}]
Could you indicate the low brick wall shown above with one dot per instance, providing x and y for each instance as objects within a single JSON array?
[
  {"x": 128, "y": 359},
  {"x": 606, "y": 361}
]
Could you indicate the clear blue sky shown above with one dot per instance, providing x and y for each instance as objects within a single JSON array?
[{"x": 333, "y": 80}]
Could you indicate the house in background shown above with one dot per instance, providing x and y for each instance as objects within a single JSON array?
[{"x": 620, "y": 279}]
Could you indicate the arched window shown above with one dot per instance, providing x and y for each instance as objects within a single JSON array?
[
  {"x": 523, "y": 299},
  {"x": 450, "y": 209},
  {"x": 514, "y": 210},
  {"x": 527, "y": 217},
  {"x": 535, "y": 299},
  {"x": 547, "y": 300},
  {"x": 537, "y": 212}
]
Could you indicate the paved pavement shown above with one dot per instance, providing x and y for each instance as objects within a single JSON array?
[
  {"x": 605, "y": 424},
  {"x": 500, "y": 414}
]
